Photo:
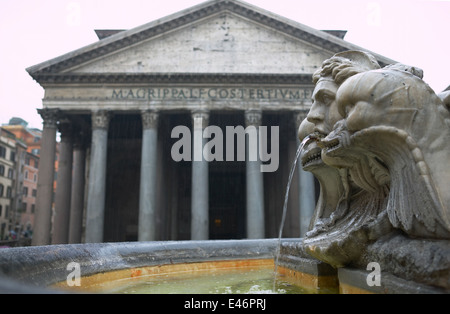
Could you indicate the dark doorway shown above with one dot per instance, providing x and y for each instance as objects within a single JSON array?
[
  {"x": 123, "y": 178},
  {"x": 227, "y": 184},
  {"x": 227, "y": 217}
]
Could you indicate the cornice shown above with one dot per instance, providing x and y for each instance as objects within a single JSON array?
[{"x": 174, "y": 78}]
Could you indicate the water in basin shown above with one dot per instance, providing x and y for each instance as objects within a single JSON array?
[
  {"x": 237, "y": 281},
  {"x": 213, "y": 277}
]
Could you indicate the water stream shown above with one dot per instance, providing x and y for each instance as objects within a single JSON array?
[{"x": 286, "y": 197}]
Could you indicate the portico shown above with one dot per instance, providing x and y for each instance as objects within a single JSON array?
[{"x": 117, "y": 101}]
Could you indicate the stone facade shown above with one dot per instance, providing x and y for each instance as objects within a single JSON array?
[{"x": 218, "y": 63}]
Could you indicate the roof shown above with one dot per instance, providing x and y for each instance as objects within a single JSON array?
[{"x": 103, "y": 33}]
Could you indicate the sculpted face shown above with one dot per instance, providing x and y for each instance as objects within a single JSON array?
[
  {"x": 319, "y": 122},
  {"x": 324, "y": 112},
  {"x": 322, "y": 116}
]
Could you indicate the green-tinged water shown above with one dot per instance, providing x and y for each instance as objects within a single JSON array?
[{"x": 237, "y": 281}]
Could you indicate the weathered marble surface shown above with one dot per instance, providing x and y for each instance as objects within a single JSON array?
[
  {"x": 420, "y": 261},
  {"x": 32, "y": 269},
  {"x": 379, "y": 146}
]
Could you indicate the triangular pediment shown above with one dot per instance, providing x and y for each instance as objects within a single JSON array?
[
  {"x": 224, "y": 43},
  {"x": 220, "y": 36}
]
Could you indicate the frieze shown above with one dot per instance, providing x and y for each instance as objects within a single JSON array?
[{"x": 210, "y": 93}]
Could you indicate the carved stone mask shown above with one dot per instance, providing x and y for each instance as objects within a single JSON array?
[{"x": 384, "y": 165}]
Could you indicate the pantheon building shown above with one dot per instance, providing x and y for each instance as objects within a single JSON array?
[{"x": 183, "y": 128}]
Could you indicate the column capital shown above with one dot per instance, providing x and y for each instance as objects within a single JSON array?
[
  {"x": 253, "y": 117},
  {"x": 81, "y": 133},
  {"x": 200, "y": 116},
  {"x": 50, "y": 117},
  {"x": 149, "y": 119},
  {"x": 100, "y": 119},
  {"x": 80, "y": 141},
  {"x": 65, "y": 127}
]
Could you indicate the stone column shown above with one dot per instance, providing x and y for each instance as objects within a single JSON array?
[
  {"x": 255, "y": 188},
  {"x": 78, "y": 187},
  {"x": 147, "y": 193},
  {"x": 97, "y": 177},
  {"x": 200, "y": 180},
  {"x": 307, "y": 196},
  {"x": 43, "y": 215},
  {"x": 64, "y": 185}
]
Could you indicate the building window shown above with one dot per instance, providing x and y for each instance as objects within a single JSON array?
[
  {"x": 33, "y": 207},
  {"x": 2, "y": 170},
  {"x": 24, "y": 207},
  {"x": 2, "y": 152},
  {"x": 8, "y": 192},
  {"x": 35, "y": 177},
  {"x": 1, "y": 210},
  {"x": 1, "y": 190},
  {"x": 25, "y": 191},
  {"x": 26, "y": 174},
  {"x": 10, "y": 173},
  {"x": 34, "y": 192},
  {"x": 12, "y": 156}
]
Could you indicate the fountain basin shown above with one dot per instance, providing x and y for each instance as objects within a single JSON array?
[
  {"x": 104, "y": 267},
  {"x": 46, "y": 269},
  {"x": 37, "y": 268}
]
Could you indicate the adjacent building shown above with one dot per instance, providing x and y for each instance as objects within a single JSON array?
[
  {"x": 30, "y": 136},
  {"x": 29, "y": 191},
  {"x": 9, "y": 184},
  {"x": 21, "y": 150}
]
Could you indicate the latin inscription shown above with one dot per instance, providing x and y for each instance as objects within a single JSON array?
[{"x": 212, "y": 93}]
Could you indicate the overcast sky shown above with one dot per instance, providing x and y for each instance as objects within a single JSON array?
[{"x": 415, "y": 32}]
